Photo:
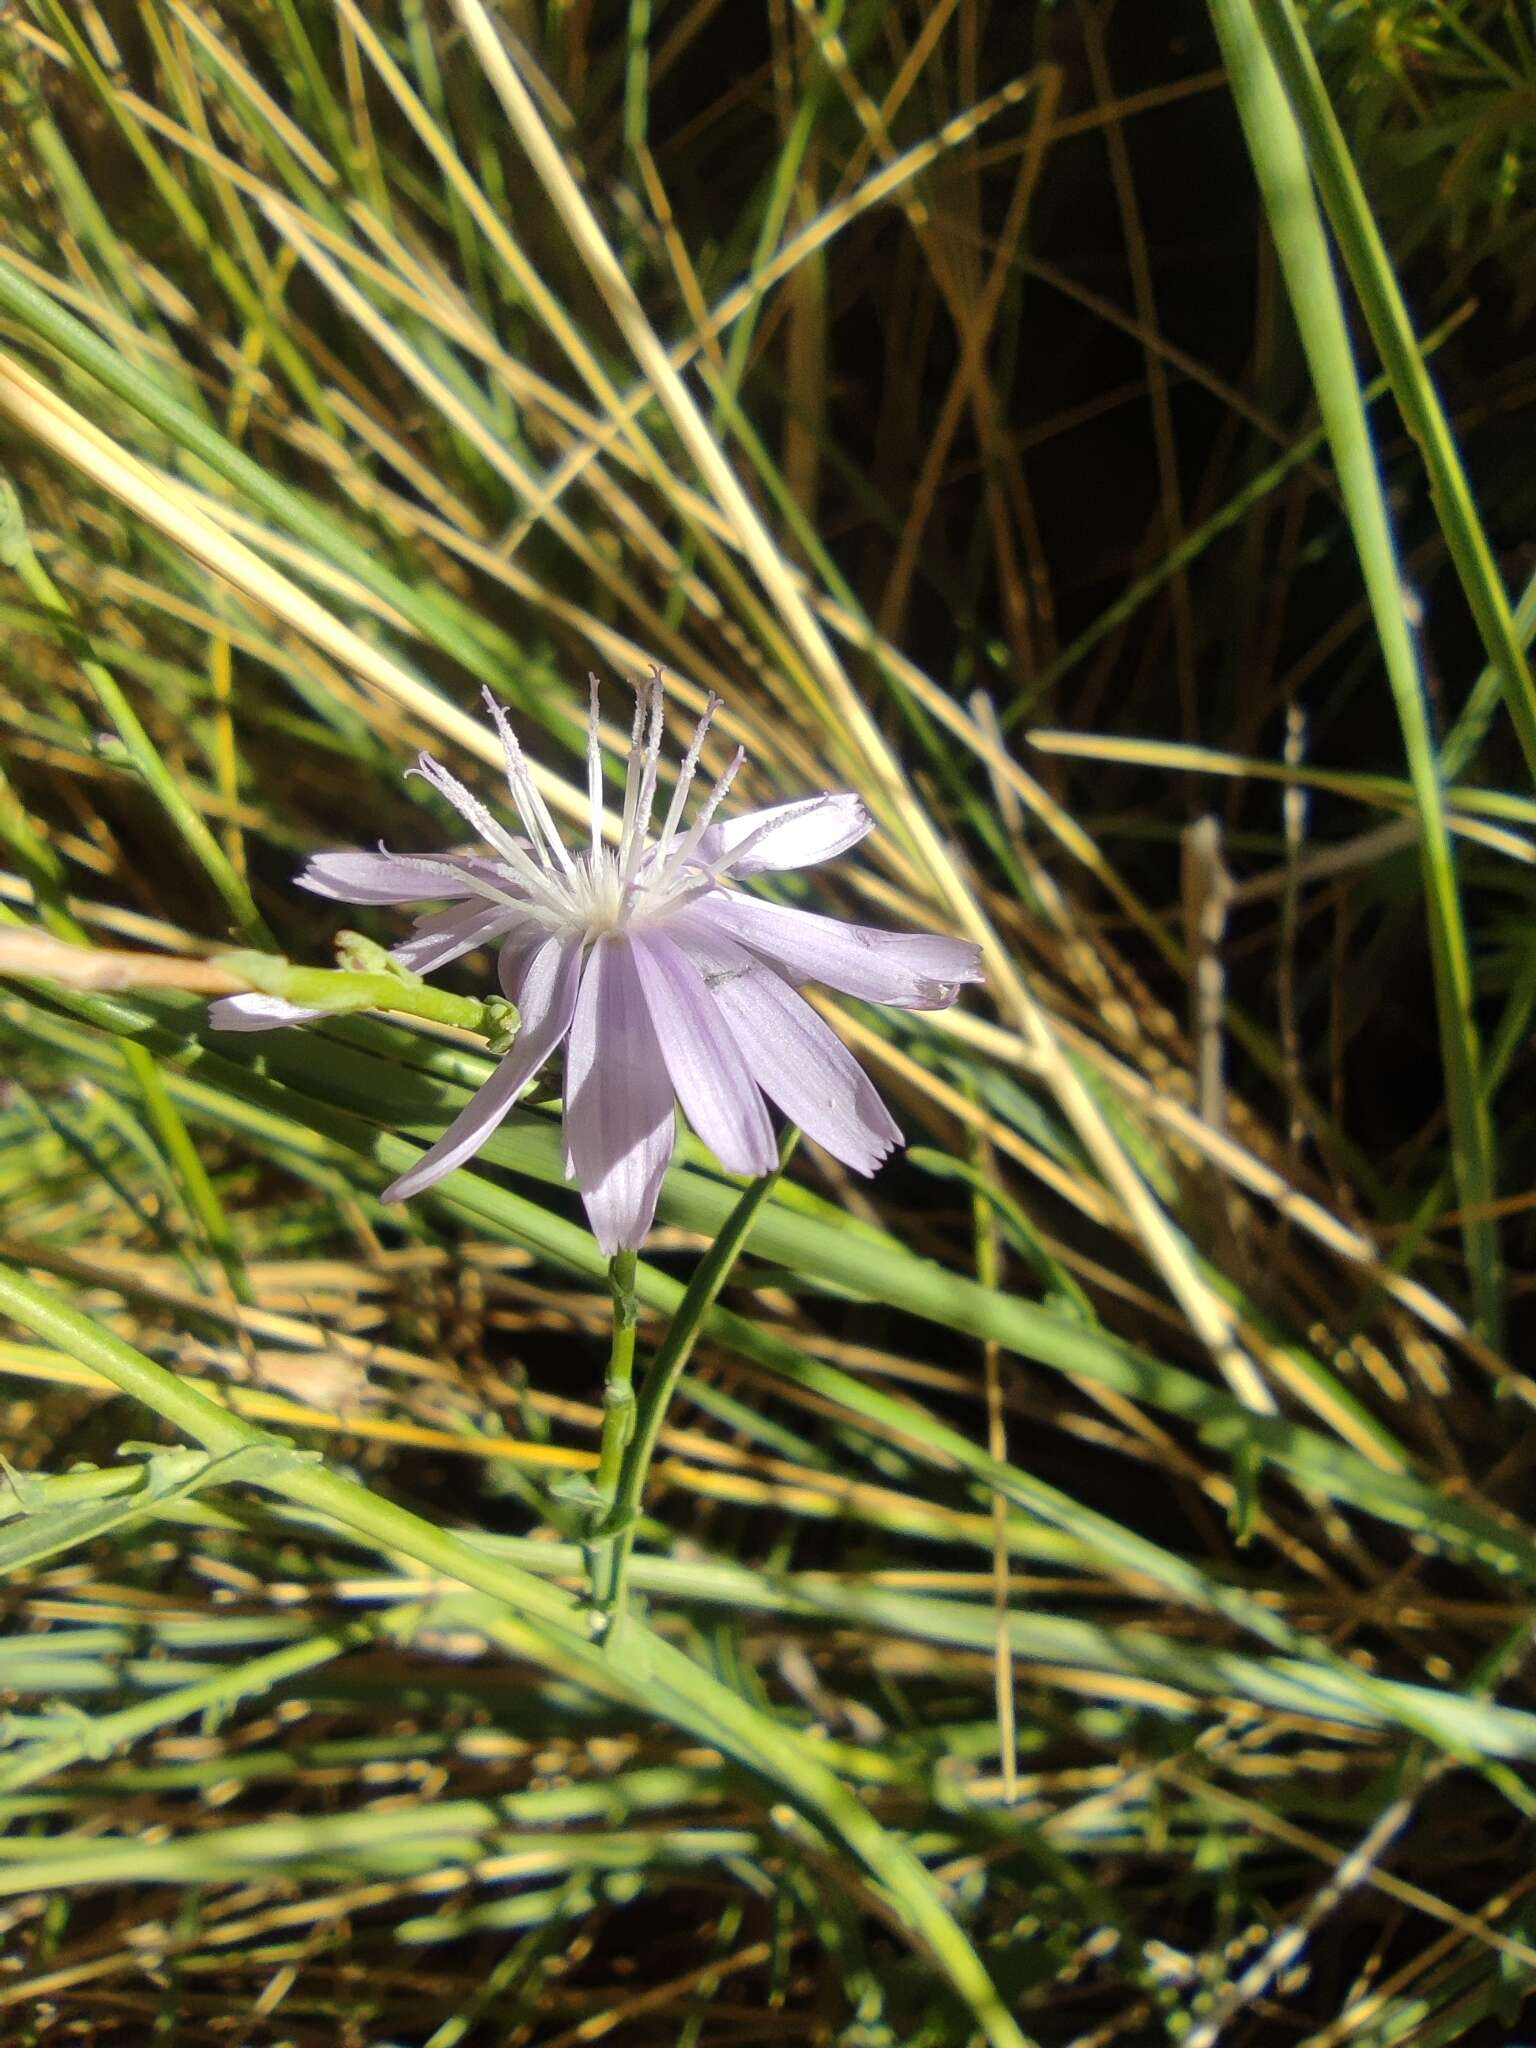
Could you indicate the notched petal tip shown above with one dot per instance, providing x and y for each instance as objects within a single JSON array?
[
  {"x": 908, "y": 970},
  {"x": 943, "y": 994}
]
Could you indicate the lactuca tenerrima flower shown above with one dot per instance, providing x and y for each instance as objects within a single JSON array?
[{"x": 661, "y": 981}]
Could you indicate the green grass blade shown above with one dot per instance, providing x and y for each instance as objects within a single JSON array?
[
  {"x": 1280, "y": 160},
  {"x": 1375, "y": 281}
]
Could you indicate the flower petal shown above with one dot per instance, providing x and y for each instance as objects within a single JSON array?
[
  {"x": 354, "y": 875},
  {"x": 546, "y": 998},
  {"x": 798, "y": 1060},
  {"x": 258, "y": 1013},
  {"x": 449, "y": 934},
  {"x": 909, "y": 970},
  {"x": 719, "y": 1096},
  {"x": 619, "y": 1129},
  {"x": 515, "y": 954},
  {"x": 797, "y": 834}
]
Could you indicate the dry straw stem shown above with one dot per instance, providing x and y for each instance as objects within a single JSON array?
[
  {"x": 1373, "y": 789},
  {"x": 1286, "y": 1946},
  {"x": 974, "y": 316},
  {"x": 1472, "y": 1926},
  {"x": 35, "y": 953},
  {"x": 437, "y": 391},
  {"x": 1223, "y": 1151},
  {"x": 198, "y": 524}
]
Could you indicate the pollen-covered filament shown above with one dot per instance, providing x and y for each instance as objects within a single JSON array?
[{"x": 605, "y": 888}]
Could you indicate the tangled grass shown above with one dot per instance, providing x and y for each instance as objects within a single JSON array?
[{"x": 1083, "y": 1592}]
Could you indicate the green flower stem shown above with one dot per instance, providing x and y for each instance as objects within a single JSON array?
[
  {"x": 617, "y": 1532},
  {"x": 368, "y": 979},
  {"x": 619, "y": 1386},
  {"x": 337, "y": 991}
]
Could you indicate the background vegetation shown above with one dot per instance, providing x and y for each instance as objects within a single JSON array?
[{"x": 1084, "y": 1592}]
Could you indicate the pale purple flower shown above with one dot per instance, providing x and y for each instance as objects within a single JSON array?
[{"x": 663, "y": 984}]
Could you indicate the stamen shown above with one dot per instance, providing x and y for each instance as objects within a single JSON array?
[
  {"x": 685, "y": 776},
  {"x": 473, "y": 812},
  {"x": 534, "y": 812},
  {"x": 631, "y": 854},
  {"x": 632, "y": 766},
  {"x": 468, "y": 806},
  {"x": 710, "y": 805},
  {"x": 743, "y": 847},
  {"x": 680, "y": 887},
  {"x": 594, "y": 764},
  {"x": 461, "y": 877}
]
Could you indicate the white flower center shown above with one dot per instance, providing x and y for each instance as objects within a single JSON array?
[{"x": 605, "y": 888}]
